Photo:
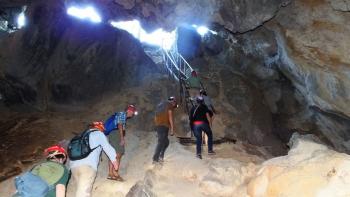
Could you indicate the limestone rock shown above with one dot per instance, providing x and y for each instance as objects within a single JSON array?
[
  {"x": 313, "y": 49},
  {"x": 340, "y": 5},
  {"x": 309, "y": 168}
]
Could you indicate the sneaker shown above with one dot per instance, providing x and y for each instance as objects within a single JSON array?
[
  {"x": 199, "y": 156},
  {"x": 161, "y": 160},
  {"x": 211, "y": 153}
]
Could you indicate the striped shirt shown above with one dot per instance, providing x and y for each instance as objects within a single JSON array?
[{"x": 120, "y": 118}]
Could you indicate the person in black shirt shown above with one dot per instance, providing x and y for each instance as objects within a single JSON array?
[{"x": 200, "y": 121}]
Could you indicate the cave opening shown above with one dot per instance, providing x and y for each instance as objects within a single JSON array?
[{"x": 276, "y": 81}]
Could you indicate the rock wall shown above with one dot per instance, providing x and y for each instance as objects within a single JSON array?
[
  {"x": 313, "y": 39},
  {"x": 58, "y": 59},
  {"x": 298, "y": 63}
]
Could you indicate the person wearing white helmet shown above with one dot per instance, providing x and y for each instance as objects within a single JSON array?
[{"x": 164, "y": 121}]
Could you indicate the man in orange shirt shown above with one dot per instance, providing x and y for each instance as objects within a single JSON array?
[{"x": 164, "y": 121}]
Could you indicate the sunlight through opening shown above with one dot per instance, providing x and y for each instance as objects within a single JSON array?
[
  {"x": 21, "y": 20},
  {"x": 203, "y": 30},
  {"x": 88, "y": 13},
  {"x": 159, "y": 37}
]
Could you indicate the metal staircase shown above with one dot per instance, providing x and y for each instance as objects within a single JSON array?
[{"x": 176, "y": 67}]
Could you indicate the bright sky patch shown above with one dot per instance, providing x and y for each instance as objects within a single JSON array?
[
  {"x": 21, "y": 20},
  {"x": 88, "y": 13},
  {"x": 159, "y": 37},
  {"x": 203, "y": 30}
]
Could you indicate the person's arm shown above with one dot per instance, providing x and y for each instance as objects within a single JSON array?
[
  {"x": 108, "y": 149},
  {"x": 209, "y": 119},
  {"x": 171, "y": 122},
  {"x": 190, "y": 117},
  {"x": 121, "y": 133},
  {"x": 60, "y": 190}
]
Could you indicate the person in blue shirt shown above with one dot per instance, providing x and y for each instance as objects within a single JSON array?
[{"x": 117, "y": 139}]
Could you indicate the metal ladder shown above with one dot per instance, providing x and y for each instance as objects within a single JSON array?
[{"x": 178, "y": 70}]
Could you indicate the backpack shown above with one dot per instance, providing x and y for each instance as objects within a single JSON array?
[
  {"x": 79, "y": 146},
  {"x": 161, "y": 108},
  {"x": 31, "y": 185},
  {"x": 110, "y": 124}
]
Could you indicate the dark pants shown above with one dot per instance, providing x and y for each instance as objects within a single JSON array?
[
  {"x": 197, "y": 129},
  {"x": 163, "y": 142}
]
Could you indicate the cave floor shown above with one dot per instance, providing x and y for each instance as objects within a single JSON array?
[{"x": 180, "y": 167}]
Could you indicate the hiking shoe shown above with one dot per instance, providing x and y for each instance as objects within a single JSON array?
[
  {"x": 199, "y": 156},
  {"x": 211, "y": 153}
]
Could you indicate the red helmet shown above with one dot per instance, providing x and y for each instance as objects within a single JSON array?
[
  {"x": 194, "y": 73},
  {"x": 98, "y": 125},
  {"x": 55, "y": 151},
  {"x": 131, "y": 108}
]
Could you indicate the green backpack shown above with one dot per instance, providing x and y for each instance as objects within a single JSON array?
[{"x": 40, "y": 180}]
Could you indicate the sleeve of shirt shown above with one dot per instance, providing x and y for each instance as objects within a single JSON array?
[
  {"x": 191, "y": 115},
  {"x": 205, "y": 109},
  {"x": 65, "y": 177},
  {"x": 107, "y": 148},
  {"x": 122, "y": 120}
]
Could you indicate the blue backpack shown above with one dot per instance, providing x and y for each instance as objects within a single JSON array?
[{"x": 30, "y": 185}]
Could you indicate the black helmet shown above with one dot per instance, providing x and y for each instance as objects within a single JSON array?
[
  {"x": 172, "y": 99},
  {"x": 199, "y": 99},
  {"x": 202, "y": 91}
]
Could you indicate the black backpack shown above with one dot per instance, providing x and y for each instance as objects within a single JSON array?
[{"x": 79, "y": 146}]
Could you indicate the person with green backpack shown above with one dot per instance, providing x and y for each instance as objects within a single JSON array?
[{"x": 48, "y": 179}]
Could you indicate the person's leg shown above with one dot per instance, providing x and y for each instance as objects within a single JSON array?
[
  {"x": 165, "y": 140},
  {"x": 84, "y": 176},
  {"x": 197, "y": 130},
  {"x": 119, "y": 158},
  {"x": 209, "y": 133},
  {"x": 204, "y": 142},
  {"x": 120, "y": 150},
  {"x": 160, "y": 144}
]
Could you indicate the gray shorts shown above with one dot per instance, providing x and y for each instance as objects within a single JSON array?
[{"x": 114, "y": 140}]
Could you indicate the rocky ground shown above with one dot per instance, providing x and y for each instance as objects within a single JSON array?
[{"x": 309, "y": 169}]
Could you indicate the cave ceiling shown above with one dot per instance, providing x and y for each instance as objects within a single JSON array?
[{"x": 234, "y": 15}]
